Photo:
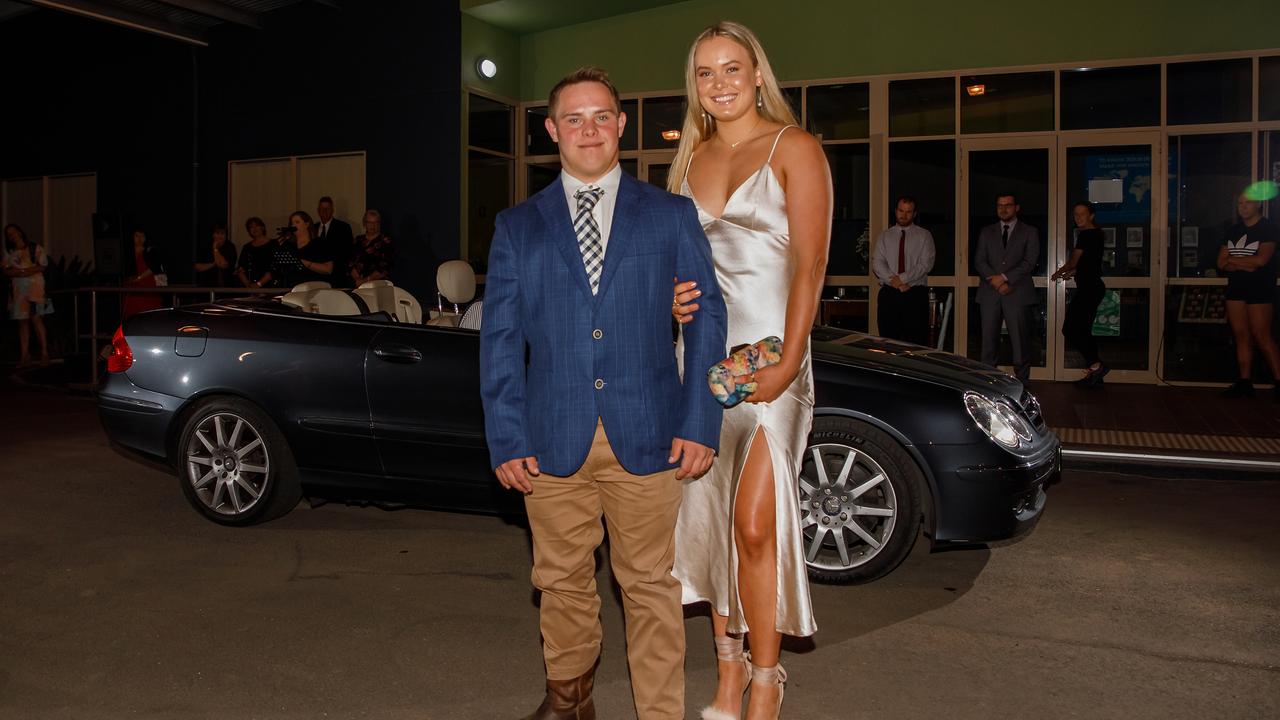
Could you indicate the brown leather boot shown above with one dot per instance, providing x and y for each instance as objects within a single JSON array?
[{"x": 568, "y": 699}]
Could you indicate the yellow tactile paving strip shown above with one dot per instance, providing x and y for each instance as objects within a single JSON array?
[{"x": 1170, "y": 441}]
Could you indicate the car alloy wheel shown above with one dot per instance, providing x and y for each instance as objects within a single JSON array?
[
  {"x": 848, "y": 506},
  {"x": 227, "y": 464}
]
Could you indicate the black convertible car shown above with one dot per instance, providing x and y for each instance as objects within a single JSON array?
[{"x": 255, "y": 402}]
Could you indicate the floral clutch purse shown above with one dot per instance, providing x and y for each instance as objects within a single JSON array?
[{"x": 745, "y": 360}]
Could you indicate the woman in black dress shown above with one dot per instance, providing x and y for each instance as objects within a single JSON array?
[
  {"x": 1085, "y": 265},
  {"x": 254, "y": 268},
  {"x": 302, "y": 258}
]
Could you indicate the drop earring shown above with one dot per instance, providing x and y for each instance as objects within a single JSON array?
[{"x": 759, "y": 98}]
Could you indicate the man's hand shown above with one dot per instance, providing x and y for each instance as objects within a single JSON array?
[
  {"x": 898, "y": 284},
  {"x": 996, "y": 281},
  {"x": 518, "y": 474},
  {"x": 695, "y": 460},
  {"x": 1005, "y": 289}
]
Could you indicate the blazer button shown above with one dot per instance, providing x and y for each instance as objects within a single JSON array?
[
  {"x": 597, "y": 334},
  {"x": 599, "y": 384}
]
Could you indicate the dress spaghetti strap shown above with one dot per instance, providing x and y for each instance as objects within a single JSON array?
[{"x": 775, "y": 144}]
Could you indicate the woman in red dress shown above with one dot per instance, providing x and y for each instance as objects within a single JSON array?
[{"x": 146, "y": 264}]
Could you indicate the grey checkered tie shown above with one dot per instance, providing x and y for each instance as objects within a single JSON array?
[{"x": 584, "y": 224}]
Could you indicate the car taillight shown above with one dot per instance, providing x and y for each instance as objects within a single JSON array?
[{"x": 121, "y": 357}]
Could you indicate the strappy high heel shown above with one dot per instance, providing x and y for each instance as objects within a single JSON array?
[
  {"x": 767, "y": 676},
  {"x": 729, "y": 649}
]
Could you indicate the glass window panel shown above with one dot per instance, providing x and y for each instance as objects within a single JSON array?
[
  {"x": 1039, "y": 325},
  {"x": 1206, "y": 174},
  {"x": 922, "y": 107},
  {"x": 926, "y": 170},
  {"x": 662, "y": 115},
  {"x": 1198, "y": 345},
  {"x": 658, "y": 174},
  {"x": 1210, "y": 92},
  {"x": 1091, "y": 174},
  {"x": 537, "y": 140},
  {"x": 1269, "y": 88},
  {"x": 631, "y": 133},
  {"x": 942, "y": 318},
  {"x": 489, "y": 124},
  {"x": 630, "y": 167},
  {"x": 792, "y": 94},
  {"x": 1269, "y": 161},
  {"x": 846, "y": 307},
  {"x": 1023, "y": 172},
  {"x": 1111, "y": 97},
  {"x": 840, "y": 112},
  {"x": 1013, "y": 102},
  {"x": 1121, "y": 328},
  {"x": 541, "y": 175},
  {"x": 488, "y": 193},
  {"x": 850, "y": 225}
]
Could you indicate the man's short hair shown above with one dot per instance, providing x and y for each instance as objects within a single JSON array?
[
  {"x": 581, "y": 75},
  {"x": 905, "y": 199},
  {"x": 1008, "y": 195},
  {"x": 325, "y": 199}
]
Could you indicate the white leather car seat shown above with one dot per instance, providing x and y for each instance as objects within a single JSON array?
[
  {"x": 455, "y": 283},
  {"x": 378, "y": 295},
  {"x": 328, "y": 301},
  {"x": 301, "y": 294}
]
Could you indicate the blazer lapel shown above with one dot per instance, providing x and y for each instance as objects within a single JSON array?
[
  {"x": 555, "y": 211},
  {"x": 621, "y": 229}
]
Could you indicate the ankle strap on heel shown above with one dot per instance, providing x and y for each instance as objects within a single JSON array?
[
  {"x": 768, "y": 675},
  {"x": 728, "y": 648}
]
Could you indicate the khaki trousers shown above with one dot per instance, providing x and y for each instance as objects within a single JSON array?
[{"x": 565, "y": 517}]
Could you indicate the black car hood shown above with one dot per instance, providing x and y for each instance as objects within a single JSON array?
[{"x": 881, "y": 354}]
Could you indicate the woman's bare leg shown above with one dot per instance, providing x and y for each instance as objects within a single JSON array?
[
  {"x": 755, "y": 535},
  {"x": 1238, "y": 318}
]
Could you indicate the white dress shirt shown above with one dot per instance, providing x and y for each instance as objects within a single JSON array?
[
  {"x": 603, "y": 211},
  {"x": 919, "y": 255}
]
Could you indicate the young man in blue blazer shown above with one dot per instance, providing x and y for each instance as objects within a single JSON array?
[{"x": 597, "y": 423}]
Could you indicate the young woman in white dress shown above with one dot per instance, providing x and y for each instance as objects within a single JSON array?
[{"x": 762, "y": 187}]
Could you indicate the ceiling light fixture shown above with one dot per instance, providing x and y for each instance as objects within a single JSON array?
[
  {"x": 671, "y": 135},
  {"x": 976, "y": 90},
  {"x": 487, "y": 68}
]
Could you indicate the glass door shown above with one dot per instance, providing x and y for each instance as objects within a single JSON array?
[
  {"x": 993, "y": 167},
  {"x": 1114, "y": 172}
]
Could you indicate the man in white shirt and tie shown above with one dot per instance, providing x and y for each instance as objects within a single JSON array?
[{"x": 904, "y": 256}]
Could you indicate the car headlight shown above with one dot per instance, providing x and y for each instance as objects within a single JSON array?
[{"x": 999, "y": 421}]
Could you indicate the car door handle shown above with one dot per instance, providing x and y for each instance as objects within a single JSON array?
[{"x": 397, "y": 354}]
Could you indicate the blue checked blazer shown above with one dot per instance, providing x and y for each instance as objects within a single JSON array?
[{"x": 608, "y": 356}]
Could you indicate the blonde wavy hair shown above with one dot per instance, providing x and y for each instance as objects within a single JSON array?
[{"x": 699, "y": 126}]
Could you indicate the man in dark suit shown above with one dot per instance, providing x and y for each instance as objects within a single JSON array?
[
  {"x": 337, "y": 234},
  {"x": 597, "y": 421},
  {"x": 1007, "y": 254}
]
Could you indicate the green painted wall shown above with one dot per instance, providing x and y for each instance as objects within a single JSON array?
[
  {"x": 480, "y": 39},
  {"x": 813, "y": 39}
]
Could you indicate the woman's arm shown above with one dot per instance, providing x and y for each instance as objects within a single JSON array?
[
  {"x": 1249, "y": 264},
  {"x": 806, "y": 179},
  {"x": 1069, "y": 267},
  {"x": 323, "y": 268}
]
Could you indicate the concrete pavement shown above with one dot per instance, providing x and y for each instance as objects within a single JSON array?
[{"x": 1134, "y": 598}]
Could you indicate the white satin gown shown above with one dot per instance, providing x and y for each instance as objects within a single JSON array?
[{"x": 750, "y": 247}]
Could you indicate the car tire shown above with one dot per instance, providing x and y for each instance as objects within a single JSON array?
[
  {"x": 234, "y": 465},
  {"x": 859, "y": 519}
]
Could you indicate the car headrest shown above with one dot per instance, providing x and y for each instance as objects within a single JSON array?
[
  {"x": 311, "y": 285},
  {"x": 456, "y": 281},
  {"x": 334, "y": 302},
  {"x": 375, "y": 284}
]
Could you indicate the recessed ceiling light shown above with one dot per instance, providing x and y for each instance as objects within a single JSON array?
[{"x": 486, "y": 67}]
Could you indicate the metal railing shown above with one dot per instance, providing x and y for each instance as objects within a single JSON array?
[{"x": 173, "y": 292}]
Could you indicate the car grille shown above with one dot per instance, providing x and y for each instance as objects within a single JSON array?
[{"x": 1031, "y": 410}]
